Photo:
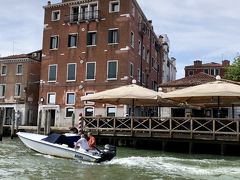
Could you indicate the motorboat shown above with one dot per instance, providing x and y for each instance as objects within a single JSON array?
[{"x": 62, "y": 145}]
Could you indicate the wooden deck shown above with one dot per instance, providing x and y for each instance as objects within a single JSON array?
[{"x": 211, "y": 129}]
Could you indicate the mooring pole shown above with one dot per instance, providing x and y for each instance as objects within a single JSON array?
[
  {"x": 12, "y": 123},
  {"x": 1, "y": 124},
  {"x": 39, "y": 122}
]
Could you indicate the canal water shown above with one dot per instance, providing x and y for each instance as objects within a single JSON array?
[{"x": 18, "y": 162}]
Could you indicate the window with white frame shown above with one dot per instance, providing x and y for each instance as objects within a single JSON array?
[
  {"x": 74, "y": 14},
  {"x": 132, "y": 39},
  {"x": 69, "y": 112},
  {"x": 54, "y": 42},
  {"x": 217, "y": 72},
  {"x": 131, "y": 69},
  {"x": 19, "y": 69},
  {"x": 56, "y": 15},
  {"x": 113, "y": 36},
  {"x": 70, "y": 98},
  {"x": 139, "y": 47},
  {"x": 91, "y": 38},
  {"x": 93, "y": 11},
  {"x": 114, "y": 6},
  {"x": 90, "y": 70},
  {"x": 212, "y": 72},
  {"x": 139, "y": 75},
  {"x": 111, "y": 111},
  {"x": 112, "y": 69},
  {"x": 84, "y": 12},
  {"x": 89, "y": 102},
  {"x": 4, "y": 70},
  {"x": 17, "y": 90},
  {"x": 72, "y": 40},
  {"x": 71, "y": 72},
  {"x": 206, "y": 71},
  {"x": 148, "y": 56},
  {"x": 2, "y": 90},
  {"x": 51, "y": 98},
  {"x": 52, "y": 73},
  {"x": 89, "y": 111},
  {"x": 144, "y": 53}
]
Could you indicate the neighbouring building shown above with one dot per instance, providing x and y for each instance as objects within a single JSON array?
[
  {"x": 19, "y": 87},
  {"x": 90, "y": 46},
  {"x": 212, "y": 68},
  {"x": 169, "y": 69}
]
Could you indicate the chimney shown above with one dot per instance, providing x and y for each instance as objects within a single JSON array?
[
  {"x": 225, "y": 63},
  {"x": 49, "y": 3},
  {"x": 198, "y": 63}
]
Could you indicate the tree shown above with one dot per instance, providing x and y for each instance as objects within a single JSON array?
[{"x": 233, "y": 71}]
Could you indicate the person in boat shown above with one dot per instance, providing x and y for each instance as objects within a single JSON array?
[
  {"x": 82, "y": 143},
  {"x": 91, "y": 141}
]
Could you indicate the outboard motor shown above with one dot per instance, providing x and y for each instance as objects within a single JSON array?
[{"x": 108, "y": 152}]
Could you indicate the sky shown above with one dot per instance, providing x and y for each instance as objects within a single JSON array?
[{"x": 206, "y": 30}]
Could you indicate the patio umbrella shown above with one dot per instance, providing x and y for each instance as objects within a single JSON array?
[{"x": 218, "y": 93}]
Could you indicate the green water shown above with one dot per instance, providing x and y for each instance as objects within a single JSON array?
[{"x": 18, "y": 162}]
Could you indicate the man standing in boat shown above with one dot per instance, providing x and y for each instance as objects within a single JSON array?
[{"x": 91, "y": 141}]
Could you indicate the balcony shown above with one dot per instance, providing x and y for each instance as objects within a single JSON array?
[{"x": 83, "y": 17}]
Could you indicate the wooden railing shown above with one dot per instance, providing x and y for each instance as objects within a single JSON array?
[{"x": 174, "y": 128}]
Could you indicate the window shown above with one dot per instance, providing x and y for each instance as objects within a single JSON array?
[
  {"x": 139, "y": 75},
  {"x": 132, "y": 39},
  {"x": 17, "y": 90},
  {"x": 71, "y": 72},
  {"x": 70, "y": 98},
  {"x": 217, "y": 72},
  {"x": 139, "y": 47},
  {"x": 112, "y": 67},
  {"x": 2, "y": 90},
  {"x": 19, "y": 69},
  {"x": 84, "y": 13},
  {"x": 4, "y": 70},
  {"x": 72, "y": 40},
  {"x": 190, "y": 73},
  {"x": 114, "y": 6},
  {"x": 89, "y": 102},
  {"x": 90, "y": 70},
  {"x": 206, "y": 71},
  {"x": 53, "y": 42},
  {"x": 55, "y": 15},
  {"x": 74, "y": 14},
  {"x": 212, "y": 71},
  {"x": 143, "y": 77},
  {"x": 113, "y": 36},
  {"x": 52, "y": 73},
  {"x": 69, "y": 111},
  {"x": 89, "y": 111},
  {"x": 111, "y": 111},
  {"x": 144, "y": 53},
  {"x": 51, "y": 98},
  {"x": 131, "y": 70},
  {"x": 91, "y": 38},
  {"x": 93, "y": 13},
  {"x": 148, "y": 56}
]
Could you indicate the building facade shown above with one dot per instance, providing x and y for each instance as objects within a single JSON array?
[
  {"x": 19, "y": 87},
  {"x": 90, "y": 46},
  {"x": 169, "y": 70},
  {"x": 212, "y": 68}
]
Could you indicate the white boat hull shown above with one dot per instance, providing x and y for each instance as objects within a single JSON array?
[{"x": 35, "y": 142}]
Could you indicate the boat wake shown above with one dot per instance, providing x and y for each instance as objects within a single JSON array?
[{"x": 175, "y": 166}]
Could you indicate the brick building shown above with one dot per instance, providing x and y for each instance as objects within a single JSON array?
[
  {"x": 19, "y": 87},
  {"x": 90, "y": 46},
  {"x": 212, "y": 68}
]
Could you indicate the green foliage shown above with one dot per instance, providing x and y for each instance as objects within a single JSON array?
[{"x": 233, "y": 71}]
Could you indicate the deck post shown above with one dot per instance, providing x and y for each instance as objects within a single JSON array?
[
  {"x": 39, "y": 122},
  {"x": 12, "y": 123},
  {"x": 190, "y": 147},
  {"x": 222, "y": 149},
  {"x": 1, "y": 123}
]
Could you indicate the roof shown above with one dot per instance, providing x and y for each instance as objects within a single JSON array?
[
  {"x": 212, "y": 64},
  {"x": 193, "y": 80}
]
